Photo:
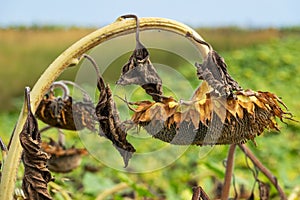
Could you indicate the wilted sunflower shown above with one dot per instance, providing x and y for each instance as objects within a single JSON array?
[
  {"x": 209, "y": 119},
  {"x": 62, "y": 159},
  {"x": 220, "y": 111},
  {"x": 65, "y": 112}
]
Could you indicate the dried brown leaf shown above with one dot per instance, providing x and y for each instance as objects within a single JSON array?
[
  {"x": 140, "y": 71},
  {"x": 214, "y": 71},
  {"x": 36, "y": 173},
  {"x": 110, "y": 125}
]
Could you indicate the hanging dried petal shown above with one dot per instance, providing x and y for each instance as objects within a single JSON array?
[
  {"x": 140, "y": 71},
  {"x": 109, "y": 121},
  {"x": 36, "y": 174}
]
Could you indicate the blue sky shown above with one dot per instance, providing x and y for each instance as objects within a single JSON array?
[{"x": 254, "y": 13}]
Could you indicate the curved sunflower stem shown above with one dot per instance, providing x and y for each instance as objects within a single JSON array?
[
  {"x": 228, "y": 172},
  {"x": 72, "y": 57},
  {"x": 263, "y": 169},
  {"x": 61, "y": 85}
]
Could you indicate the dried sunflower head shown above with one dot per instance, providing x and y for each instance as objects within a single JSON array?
[
  {"x": 209, "y": 119},
  {"x": 62, "y": 160},
  {"x": 64, "y": 112}
]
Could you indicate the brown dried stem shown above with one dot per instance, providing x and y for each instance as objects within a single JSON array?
[
  {"x": 228, "y": 172},
  {"x": 199, "y": 194},
  {"x": 263, "y": 169},
  {"x": 36, "y": 174}
]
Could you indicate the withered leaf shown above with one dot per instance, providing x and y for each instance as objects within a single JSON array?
[
  {"x": 214, "y": 71},
  {"x": 140, "y": 71},
  {"x": 36, "y": 173},
  {"x": 109, "y": 122}
]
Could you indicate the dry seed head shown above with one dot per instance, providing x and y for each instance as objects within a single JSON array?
[{"x": 208, "y": 119}]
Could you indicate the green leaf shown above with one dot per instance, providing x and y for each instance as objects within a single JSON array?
[
  {"x": 215, "y": 168},
  {"x": 94, "y": 184}
]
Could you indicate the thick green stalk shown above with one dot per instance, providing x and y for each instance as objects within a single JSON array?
[{"x": 70, "y": 57}]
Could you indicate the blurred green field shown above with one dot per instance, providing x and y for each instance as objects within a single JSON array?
[{"x": 266, "y": 60}]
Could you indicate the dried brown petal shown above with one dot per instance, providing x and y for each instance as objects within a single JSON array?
[
  {"x": 246, "y": 103},
  {"x": 139, "y": 69},
  {"x": 109, "y": 121},
  {"x": 36, "y": 174},
  {"x": 142, "y": 105},
  {"x": 201, "y": 91}
]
